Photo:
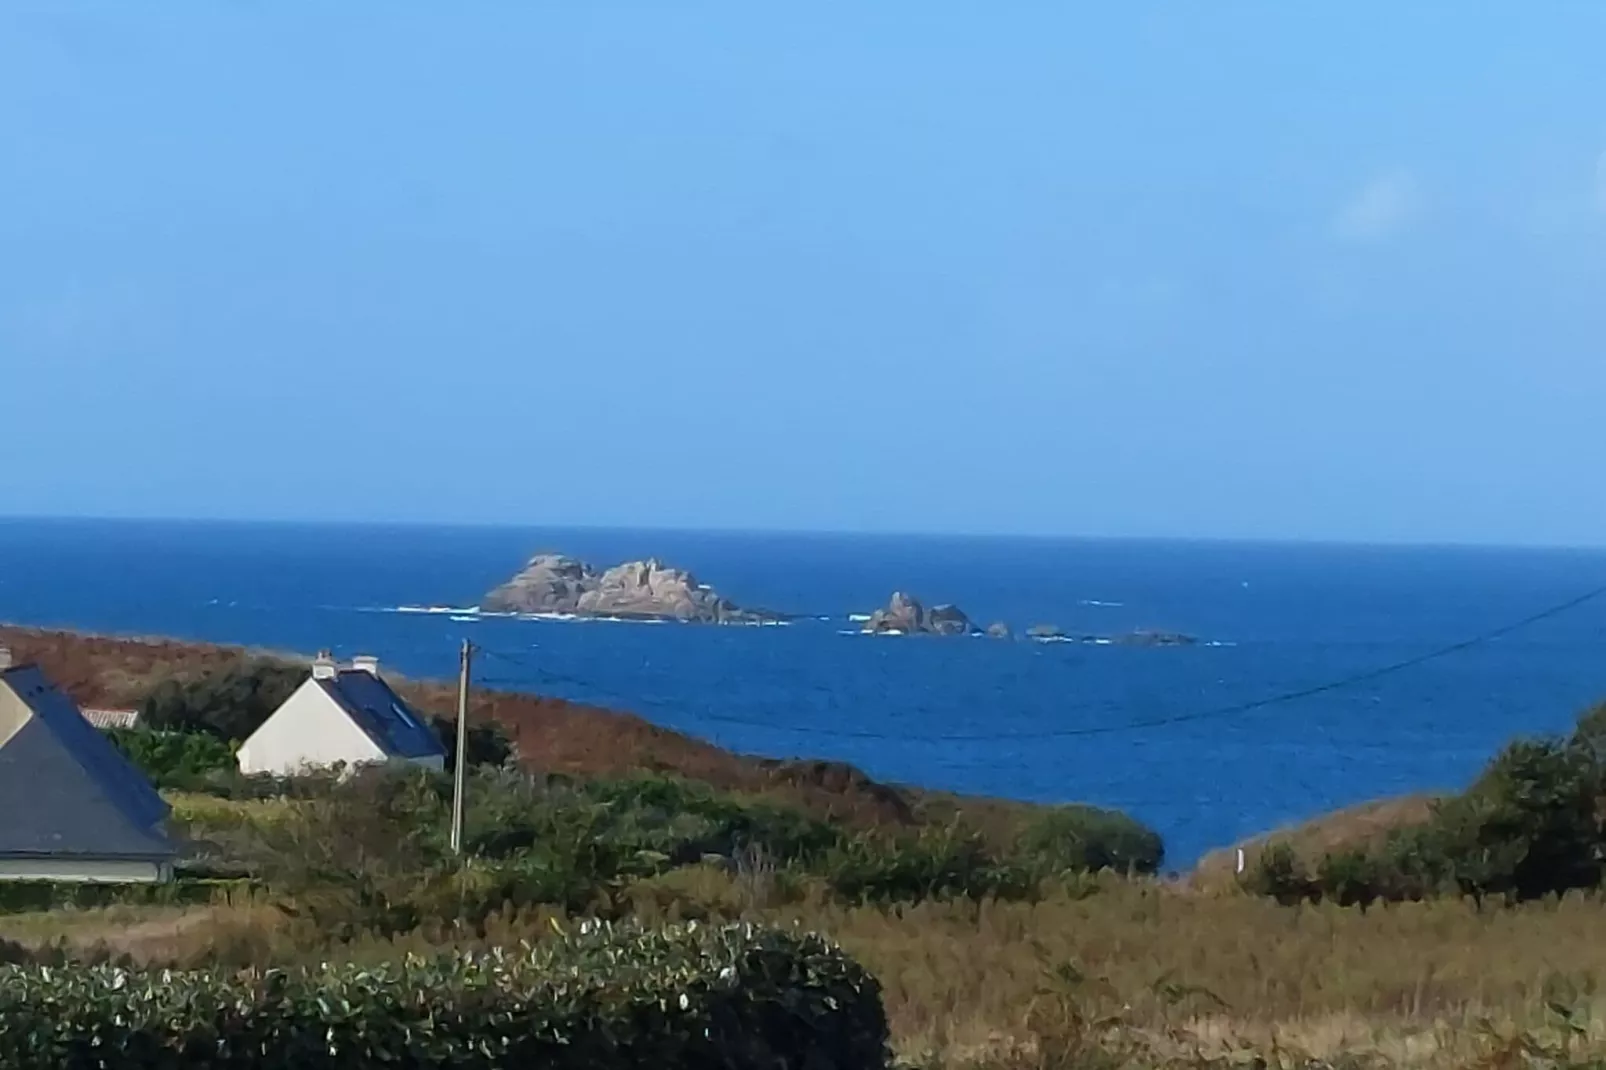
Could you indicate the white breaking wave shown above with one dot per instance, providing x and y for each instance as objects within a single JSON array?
[
  {"x": 442, "y": 610},
  {"x": 1096, "y": 602},
  {"x": 859, "y": 618}
]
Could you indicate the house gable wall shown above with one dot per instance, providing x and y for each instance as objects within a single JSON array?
[{"x": 310, "y": 731}]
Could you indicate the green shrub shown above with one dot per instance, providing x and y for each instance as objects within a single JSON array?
[
  {"x": 696, "y": 998},
  {"x": 228, "y": 703},
  {"x": 1351, "y": 878},
  {"x": 1278, "y": 874},
  {"x": 933, "y": 864},
  {"x": 1533, "y": 824},
  {"x": 686, "y": 821},
  {"x": 1087, "y": 839},
  {"x": 177, "y": 760},
  {"x": 1537, "y": 829},
  {"x": 678, "y": 822}
]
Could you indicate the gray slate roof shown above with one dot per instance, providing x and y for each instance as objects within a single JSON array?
[
  {"x": 65, "y": 790},
  {"x": 393, "y": 725}
]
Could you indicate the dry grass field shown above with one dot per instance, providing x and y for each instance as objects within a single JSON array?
[{"x": 1117, "y": 973}]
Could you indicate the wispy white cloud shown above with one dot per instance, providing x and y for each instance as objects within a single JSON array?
[{"x": 1380, "y": 208}]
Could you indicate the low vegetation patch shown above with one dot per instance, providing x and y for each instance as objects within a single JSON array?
[
  {"x": 1532, "y": 825},
  {"x": 687, "y": 997}
]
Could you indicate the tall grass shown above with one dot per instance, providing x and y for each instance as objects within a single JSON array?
[{"x": 1110, "y": 972}]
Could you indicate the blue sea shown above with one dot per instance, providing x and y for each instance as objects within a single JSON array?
[{"x": 1042, "y": 722}]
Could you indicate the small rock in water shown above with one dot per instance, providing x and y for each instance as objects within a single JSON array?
[{"x": 904, "y": 615}]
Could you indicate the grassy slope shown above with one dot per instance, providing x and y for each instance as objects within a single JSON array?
[{"x": 1356, "y": 826}]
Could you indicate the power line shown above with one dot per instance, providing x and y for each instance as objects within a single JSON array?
[{"x": 1214, "y": 713}]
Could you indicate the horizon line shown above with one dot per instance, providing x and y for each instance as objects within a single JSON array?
[{"x": 885, "y": 533}]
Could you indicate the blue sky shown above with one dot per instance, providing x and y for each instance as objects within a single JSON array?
[{"x": 1201, "y": 270}]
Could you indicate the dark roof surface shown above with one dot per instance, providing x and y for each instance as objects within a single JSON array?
[
  {"x": 385, "y": 716},
  {"x": 65, "y": 790}
]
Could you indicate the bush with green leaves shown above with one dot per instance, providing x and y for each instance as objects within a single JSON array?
[
  {"x": 1279, "y": 874},
  {"x": 184, "y": 761},
  {"x": 686, "y": 821},
  {"x": 930, "y": 864},
  {"x": 687, "y": 998},
  {"x": 1087, "y": 839},
  {"x": 677, "y": 822}
]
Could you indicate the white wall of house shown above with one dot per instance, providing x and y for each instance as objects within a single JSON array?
[
  {"x": 86, "y": 870},
  {"x": 14, "y": 713},
  {"x": 310, "y": 731}
]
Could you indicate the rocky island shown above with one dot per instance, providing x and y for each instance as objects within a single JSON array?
[
  {"x": 637, "y": 590},
  {"x": 904, "y": 615}
]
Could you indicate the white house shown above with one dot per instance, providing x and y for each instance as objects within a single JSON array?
[
  {"x": 71, "y": 807},
  {"x": 341, "y": 717}
]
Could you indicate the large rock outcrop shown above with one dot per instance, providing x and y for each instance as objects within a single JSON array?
[
  {"x": 904, "y": 615},
  {"x": 636, "y": 590}
]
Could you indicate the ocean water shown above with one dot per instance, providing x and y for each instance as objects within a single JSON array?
[{"x": 1043, "y": 722}]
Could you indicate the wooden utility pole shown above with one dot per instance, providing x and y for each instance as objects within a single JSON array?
[{"x": 460, "y": 773}]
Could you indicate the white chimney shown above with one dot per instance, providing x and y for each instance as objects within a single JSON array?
[
  {"x": 366, "y": 663},
  {"x": 323, "y": 666},
  {"x": 5, "y": 658}
]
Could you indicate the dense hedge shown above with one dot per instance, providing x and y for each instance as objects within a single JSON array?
[{"x": 726, "y": 998}]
